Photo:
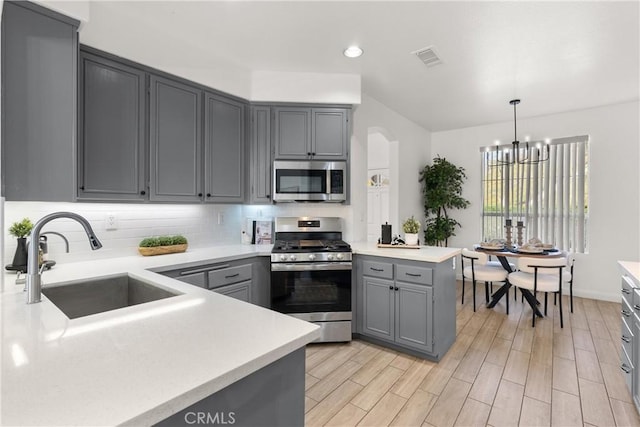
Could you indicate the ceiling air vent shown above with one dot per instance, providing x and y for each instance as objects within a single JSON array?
[{"x": 428, "y": 55}]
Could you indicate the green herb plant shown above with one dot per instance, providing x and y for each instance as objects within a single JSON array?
[
  {"x": 21, "y": 229},
  {"x": 151, "y": 242},
  {"x": 411, "y": 225}
]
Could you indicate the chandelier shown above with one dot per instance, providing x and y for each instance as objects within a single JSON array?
[{"x": 526, "y": 158}]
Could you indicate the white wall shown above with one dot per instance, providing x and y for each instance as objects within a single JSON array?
[
  {"x": 614, "y": 208},
  {"x": 275, "y": 86},
  {"x": 413, "y": 151}
]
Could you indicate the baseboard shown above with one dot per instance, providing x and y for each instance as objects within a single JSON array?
[{"x": 582, "y": 293}]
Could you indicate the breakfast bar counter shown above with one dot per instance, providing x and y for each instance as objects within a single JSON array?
[{"x": 141, "y": 364}]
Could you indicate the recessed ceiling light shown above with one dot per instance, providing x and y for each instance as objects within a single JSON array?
[{"x": 352, "y": 52}]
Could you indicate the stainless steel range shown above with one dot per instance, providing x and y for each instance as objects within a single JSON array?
[{"x": 311, "y": 274}]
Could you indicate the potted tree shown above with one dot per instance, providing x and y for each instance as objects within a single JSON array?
[
  {"x": 21, "y": 230},
  {"x": 442, "y": 190},
  {"x": 411, "y": 227}
]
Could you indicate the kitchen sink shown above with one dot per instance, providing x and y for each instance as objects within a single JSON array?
[{"x": 78, "y": 299}]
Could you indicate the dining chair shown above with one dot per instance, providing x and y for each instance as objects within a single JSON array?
[
  {"x": 480, "y": 269},
  {"x": 540, "y": 274},
  {"x": 567, "y": 277}
]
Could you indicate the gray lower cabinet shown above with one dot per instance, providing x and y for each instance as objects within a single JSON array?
[
  {"x": 630, "y": 336},
  {"x": 408, "y": 304},
  {"x": 241, "y": 291},
  {"x": 260, "y": 171},
  {"x": 39, "y": 103},
  {"x": 224, "y": 149},
  {"x": 244, "y": 279},
  {"x": 175, "y": 137},
  {"x": 111, "y": 143},
  {"x": 310, "y": 133}
]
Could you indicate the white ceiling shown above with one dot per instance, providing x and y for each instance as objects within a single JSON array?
[{"x": 555, "y": 56}]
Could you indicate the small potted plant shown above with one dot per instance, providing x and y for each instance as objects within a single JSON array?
[
  {"x": 21, "y": 230},
  {"x": 162, "y": 245},
  {"x": 411, "y": 227}
]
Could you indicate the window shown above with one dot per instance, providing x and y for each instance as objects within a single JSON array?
[{"x": 550, "y": 197}]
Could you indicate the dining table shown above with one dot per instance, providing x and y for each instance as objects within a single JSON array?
[{"x": 502, "y": 254}]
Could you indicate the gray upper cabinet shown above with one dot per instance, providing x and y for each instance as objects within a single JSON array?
[
  {"x": 175, "y": 136},
  {"x": 111, "y": 149},
  {"x": 39, "y": 103},
  {"x": 292, "y": 133},
  {"x": 310, "y": 133},
  {"x": 260, "y": 155},
  {"x": 224, "y": 149},
  {"x": 329, "y": 133}
]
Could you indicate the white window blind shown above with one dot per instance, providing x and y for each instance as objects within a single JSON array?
[{"x": 550, "y": 197}]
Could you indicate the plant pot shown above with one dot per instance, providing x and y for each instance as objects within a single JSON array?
[
  {"x": 20, "y": 257},
  {"x": 162, "y": 250},
  {"x": 411, "y": 238}
]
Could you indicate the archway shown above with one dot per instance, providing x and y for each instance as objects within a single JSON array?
[{"x": 382, "y": 182}]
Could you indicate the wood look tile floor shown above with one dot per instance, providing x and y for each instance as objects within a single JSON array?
[{"x": 499, "y": 372}]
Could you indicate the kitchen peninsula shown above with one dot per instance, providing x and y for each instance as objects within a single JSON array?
[
  {"x": 144, "y": 364},
  {"x": 141, "y": 364}
]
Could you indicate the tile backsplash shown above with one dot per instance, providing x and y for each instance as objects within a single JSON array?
[{"x": 203, "y": 225}]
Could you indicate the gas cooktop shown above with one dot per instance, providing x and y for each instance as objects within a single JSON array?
[{"x": 307, "y": 245}]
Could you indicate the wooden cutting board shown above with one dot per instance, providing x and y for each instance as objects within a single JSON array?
[{"x": 386, "y": 245}]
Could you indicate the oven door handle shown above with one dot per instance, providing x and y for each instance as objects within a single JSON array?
[{"x": 306, "y": 266}]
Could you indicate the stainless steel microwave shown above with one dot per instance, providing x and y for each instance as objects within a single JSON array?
[{"x": 309, "y": 181}]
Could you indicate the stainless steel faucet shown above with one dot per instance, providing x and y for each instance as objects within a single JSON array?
[{"x": 34, "y": 284}]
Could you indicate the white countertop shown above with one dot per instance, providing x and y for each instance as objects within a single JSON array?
[
  {"x": 425, "y": 253},
  {"x": 140, "y": 364},
  {"x": 632, "y": 268}
]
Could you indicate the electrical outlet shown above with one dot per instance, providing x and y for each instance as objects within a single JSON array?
[
  {"x": 220, "y": 218},
  {"x": 111, "y": 222}
]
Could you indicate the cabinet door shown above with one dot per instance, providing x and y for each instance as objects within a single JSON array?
[
  {"x": 260, "y": 169},
  {"x": 224, "y": 149},
  {"x": 112, "y": 130},
  {"x": 413, "y": 316},
  {"x": 241, "y": 291},
  {"x": 329, "y": 133},
  {"x": 378, "y": 308},
  {"x": 175, "y": 141},
  {"x": 292, "y": 133},
  {"x": 39, "y": 102}
]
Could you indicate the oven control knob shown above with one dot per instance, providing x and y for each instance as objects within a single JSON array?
[
  {"x": 312, "y": 257},
  {"x": 283, "y": 257},
  {"x": 292, "y": 257},
  {"x": 339, "y": 256},
  {"x": 330, "y": 257}
]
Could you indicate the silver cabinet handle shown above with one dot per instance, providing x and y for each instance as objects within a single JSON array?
[
  {"x": 626, "y": 291},
  {"x": 376, "y": 269},
  {"x": 232, "y": 275},
  {"x": 625, "y": 368},
  {"x": 626, "y": 339},
  {"x": 413, "y": 274},
  {"x": 625, "y": 313}
]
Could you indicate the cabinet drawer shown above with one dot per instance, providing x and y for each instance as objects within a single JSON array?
[
  {"x": 384, "y": 270},
  {"x": 227, "y": 276},
  {"x": 420, "y": 275},
  {"x": 198, "y": 279},
  {"x": 627, "y": 289},
  {"x": 627, "y": 338},
  {"x": 627, "y": 369},
  {"x": 636, "y": 302},
  {"x": 626, "y": 311}
]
